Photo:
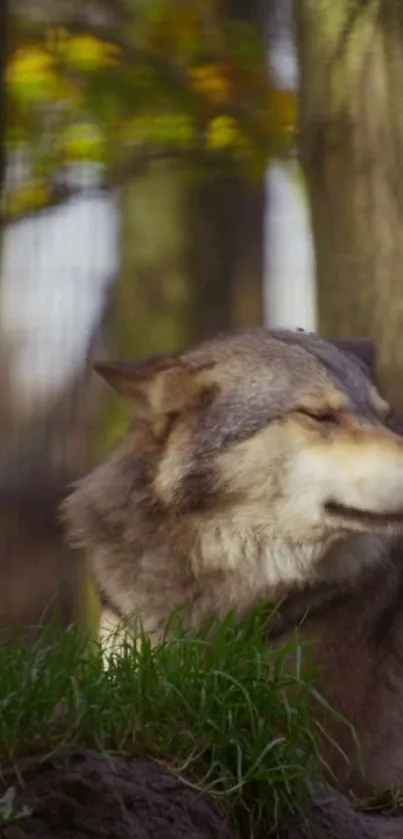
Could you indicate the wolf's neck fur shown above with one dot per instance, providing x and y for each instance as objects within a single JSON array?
[
  {"x": 151, "y": 568},
  {"x": 267, "y": 570}
]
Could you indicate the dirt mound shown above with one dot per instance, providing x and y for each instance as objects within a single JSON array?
[
  {"x": 332, "y": 817},
  {"x": 81, "y": 795}
]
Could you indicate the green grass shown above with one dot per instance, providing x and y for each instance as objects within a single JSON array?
[
  {"x": 388, "y": 802},
  {"x": 223, "y": 711}
]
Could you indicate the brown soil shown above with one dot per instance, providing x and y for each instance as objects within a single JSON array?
[
  {"x": 332, "y": 817},
  {"x": 82, "y": 795}
]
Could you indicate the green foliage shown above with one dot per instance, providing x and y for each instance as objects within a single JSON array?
[
  {"x": 180, "y": 79},
  {"x": 388, "y": 802},
  {"x": 225, "y": 712}
]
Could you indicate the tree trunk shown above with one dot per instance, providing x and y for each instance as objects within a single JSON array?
[
  {"x": 226, "y": 253},
  {"x": 351, "y": 60},
  {"x": 246, "y": 301},
  {"x": 248, "y": 279},
  {"x": 152, "y": 296},
  {"x": 150, "y": 303}
]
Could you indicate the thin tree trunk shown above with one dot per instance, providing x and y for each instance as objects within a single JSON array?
[
  {"x": 248, "y": 292},
  {"x": 226, "y": 253},
  {"x": 152, "y": 297},
  {"x": 351, "y": 61}
]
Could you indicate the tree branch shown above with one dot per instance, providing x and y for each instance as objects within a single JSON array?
[{"x": 136, "y": 165}]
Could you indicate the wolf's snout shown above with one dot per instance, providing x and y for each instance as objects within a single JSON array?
[
  {"x": 360, "y": 474},
  {"x": 374, "y": 481}
]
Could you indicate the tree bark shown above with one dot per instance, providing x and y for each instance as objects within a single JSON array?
[
  {"x": 351, "y": 60},
  {"x": 243, "y": 238},
  {"x": 226, "y": 253}
]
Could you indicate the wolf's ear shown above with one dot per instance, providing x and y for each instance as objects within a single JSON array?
[
  {"x": 157, "y": 387},
  {"x": 363, "y": 351}
]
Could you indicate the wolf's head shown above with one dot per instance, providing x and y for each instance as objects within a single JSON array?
[{"x": 259, "y": 451}]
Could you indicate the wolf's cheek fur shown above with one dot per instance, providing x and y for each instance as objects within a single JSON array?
[{"x": 261, "y": 477}]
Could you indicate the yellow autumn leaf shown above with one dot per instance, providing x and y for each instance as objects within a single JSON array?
[
  {"x": 32, "y": 76},
  {"x": 85, "y": 52},
  {"x": 210, "y": 82},
  {"x": 221, "y": 132},
  {"x": 82, "y": 142},
  {"x": 31, "y": 69}
]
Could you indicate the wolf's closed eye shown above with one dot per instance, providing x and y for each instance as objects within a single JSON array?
[{"x": 319, "y": 416}]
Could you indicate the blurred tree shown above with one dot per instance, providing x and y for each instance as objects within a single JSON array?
[
  {"x": 169, "y": 80},
  {"x": 351, "y": 57}
]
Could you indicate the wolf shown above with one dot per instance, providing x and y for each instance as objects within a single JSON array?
[{"x": 261, "y": 467}]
